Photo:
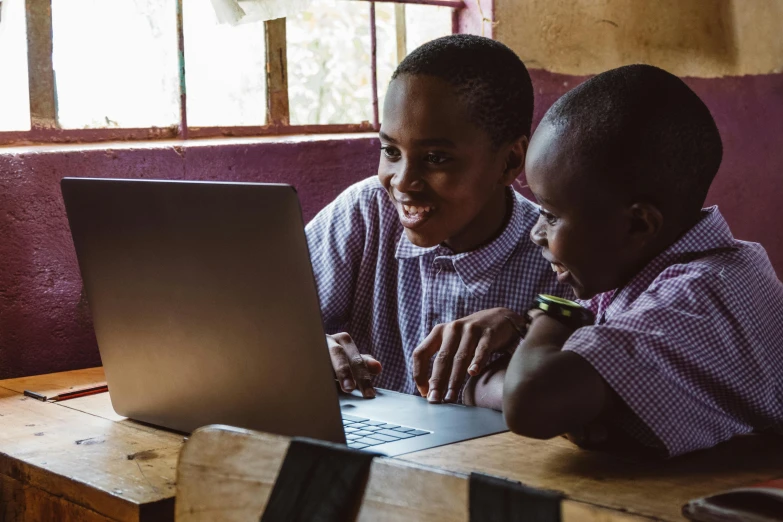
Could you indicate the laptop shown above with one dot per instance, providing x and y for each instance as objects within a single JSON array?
[{"x": 206, "y": 312}]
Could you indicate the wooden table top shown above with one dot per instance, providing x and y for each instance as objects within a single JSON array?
[{"x": 83, "y": 455}]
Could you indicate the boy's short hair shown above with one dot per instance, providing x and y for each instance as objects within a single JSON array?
[
  {"x": 488, "y": 76},
  {"x": 647, "y": 131}
]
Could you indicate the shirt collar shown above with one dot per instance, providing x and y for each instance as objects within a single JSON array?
[
  {"x": 407, "y": 250},
  {"x": 710, "y": 234},
  {"x": 478, "y": 268}
]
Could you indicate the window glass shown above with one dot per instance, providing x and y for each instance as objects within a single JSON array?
[
  {"x": 421, "y": 23},
  {"x": 387, "y": 51},
  {"x": 426, "y": 22},
  {"x": 115, "y": 63},
  {"x": 329, "y": 68},
  {"x": 14, "y": 95},
  {"x": 225, "y": 69}
]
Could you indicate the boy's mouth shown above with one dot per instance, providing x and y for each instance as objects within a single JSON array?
[
  {"x": 414, "y": 216},
  {"x": 563, "y": 274}
]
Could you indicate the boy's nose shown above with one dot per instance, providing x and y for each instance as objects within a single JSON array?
[
  {"x": 406, "y": 179},
  {"x": 538, "y": 233}
]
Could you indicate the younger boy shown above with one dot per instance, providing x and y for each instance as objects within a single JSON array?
[
  {"x": 439, "y": 234},
  {"x": 687, "y": 346}
]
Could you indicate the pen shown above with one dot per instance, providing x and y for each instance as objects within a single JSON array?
[{"x": 68, "y": 395}]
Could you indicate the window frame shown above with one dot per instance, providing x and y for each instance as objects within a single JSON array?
[{"x": 44, "y": 128}]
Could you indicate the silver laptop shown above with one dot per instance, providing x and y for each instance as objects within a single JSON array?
[{"x": 206, "y": 312}]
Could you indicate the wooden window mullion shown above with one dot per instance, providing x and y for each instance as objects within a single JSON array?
[
  {"x": 402, "y": 31},
  {"x": 40, "y": 70},
  {"x": 374, "y": 68},
  {"x": 454, "y": 4},
  {"x": 277, "y": 108},
  {"x": 183, "y": 98}
]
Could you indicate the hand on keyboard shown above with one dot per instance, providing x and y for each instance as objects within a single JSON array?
[{"x": 352, "y": 369}]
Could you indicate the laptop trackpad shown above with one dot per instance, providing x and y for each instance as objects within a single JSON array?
[{"x": 445, "y": 423}]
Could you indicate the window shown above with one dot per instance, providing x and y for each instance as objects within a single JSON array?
[
  {"x": 329, "y": 76},
  {"x": 93, "y": 70},
  {"x": 225, "y": 70},
  {"x": 401, "y": 28},
  {"x": 14, "y": 100},
  {"x": 101, "y": 80}
]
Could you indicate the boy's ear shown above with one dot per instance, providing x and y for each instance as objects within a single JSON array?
[
  {"x": 515, "y": 160},
  {"x": 646, "y": 223}
]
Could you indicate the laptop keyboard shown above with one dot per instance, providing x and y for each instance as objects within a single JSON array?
[{"x": 364, "y": 433}]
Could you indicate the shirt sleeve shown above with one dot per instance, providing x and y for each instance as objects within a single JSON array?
[
  {"x": 336, "y": 239},
  {"x": 675, "y": 367}
]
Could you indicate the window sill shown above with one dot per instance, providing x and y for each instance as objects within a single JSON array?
[{"x": 184, "y": 144}]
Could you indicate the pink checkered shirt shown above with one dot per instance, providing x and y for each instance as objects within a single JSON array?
[
  {"x": 389, "y": 293},
  {"x": 693, "y": 344}
]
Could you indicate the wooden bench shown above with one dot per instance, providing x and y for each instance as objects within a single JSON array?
[
  {"x": 228, "y": 473},
  {"x": 78, "y": 460}
]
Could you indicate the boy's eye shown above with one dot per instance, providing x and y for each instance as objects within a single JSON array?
[
  {"x": 390, "y": 152},
  {"x": 550, "y": 219},
  {"x": 435, "y": 158}
]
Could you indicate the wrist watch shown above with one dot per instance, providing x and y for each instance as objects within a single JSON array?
[{"x": 567, "y": 312}]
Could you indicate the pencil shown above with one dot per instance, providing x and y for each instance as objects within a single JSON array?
[
  {"x": 80, "y": 393},
  {"x": 68, "y": 395}
]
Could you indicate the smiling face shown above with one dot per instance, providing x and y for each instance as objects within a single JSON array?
[
  {"x": 586, "y": 231},
  {"x": 441, "y": 171}
]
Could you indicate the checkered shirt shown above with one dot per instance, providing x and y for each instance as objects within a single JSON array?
[
  {"x": 693, "y": 344},
  {"x": 388, "y": 294}
]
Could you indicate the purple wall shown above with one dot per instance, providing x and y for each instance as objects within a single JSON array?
[
  {"x": 749, "y": 185},
  {"x": 44, "y": 321}
]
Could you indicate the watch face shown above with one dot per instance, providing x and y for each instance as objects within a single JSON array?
[
  {"x": 559, "y": 300},
  {"x": 568, "y": 311}
]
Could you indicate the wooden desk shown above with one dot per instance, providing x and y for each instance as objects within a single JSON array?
[
  {"x": 78, "y": 460},
  {"x": 654, "y": 489}
]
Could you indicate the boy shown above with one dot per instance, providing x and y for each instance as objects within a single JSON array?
[
  {"x": 439, "y": 234},
  {"x": 687, "y": 346}
]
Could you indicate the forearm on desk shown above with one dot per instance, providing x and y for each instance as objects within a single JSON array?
[
  {"x": 486, "y": 389},
  {"x": 549, "y": 391}
]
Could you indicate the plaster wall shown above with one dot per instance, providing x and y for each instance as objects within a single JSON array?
[
  {"x": 45, "y": 324},
  {"x": 748, "y": 188},
  {"x": 701, "y": 38},
  {"x": 724, "y": 48},
  {"x": 730, "y": 52}
]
